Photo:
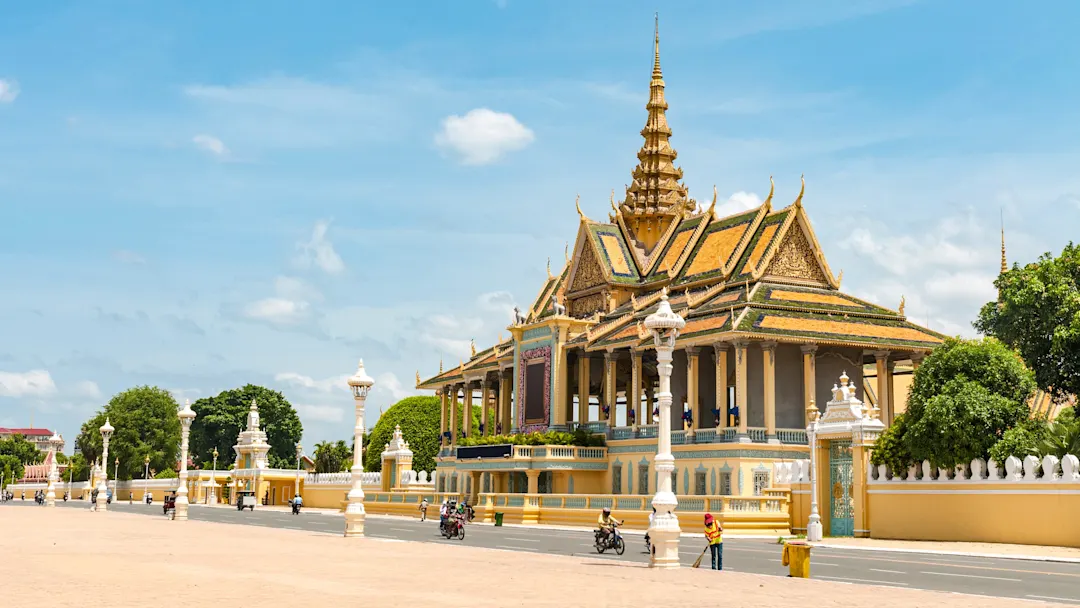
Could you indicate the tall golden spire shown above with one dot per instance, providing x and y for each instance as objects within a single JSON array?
[
  {"x": 656, "y": 197},
  {"x": 1004, "y": 264}
]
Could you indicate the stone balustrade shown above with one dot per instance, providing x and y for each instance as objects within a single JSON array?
[
  {"x": 1028, "y": 469},
  {"x": 368, "y": 478}
]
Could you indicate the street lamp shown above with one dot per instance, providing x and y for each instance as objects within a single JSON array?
[
  {"x": 54, "y": 446},
  {"x": 664, "y": 532},
  {"x": 299, "y": 450},
  {"x": 186, "y": 416},
  {"x": 146, "y": 477},
  {"x": 360, "y": 384},
  {"x": 116, "y": 478},
  {"x": 814, "y": 532},
  {"x": 103, "y": 480},
  {"x": 213, "y": 480}
]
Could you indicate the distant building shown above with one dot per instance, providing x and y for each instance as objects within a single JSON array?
[{"x": 38, "y": 437}]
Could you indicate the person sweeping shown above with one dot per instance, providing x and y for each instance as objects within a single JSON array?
[{"x": 714, "y": 533}]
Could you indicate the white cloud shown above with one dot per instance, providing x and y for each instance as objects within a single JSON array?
[
  {"x": 290, "y": 305},
  {"x": 499, "y": 302},
  {"x": 325, "y": 386},
  {"x": 86, "y": 388},
  {"x": 128, "y": 257},
  {"x": 482, "y": 136},
  {"x": 388, "y": 383},
  {"x": 9, "y": 90},
  {"x": 34, "y": 383},
  {"x": 321, "y": 413},
  {"x": 185, "y": 394},
  {"x": 737, "y": 203},
  {"x": 211, "y": 144},
  {"x": 320, "y": 251}
]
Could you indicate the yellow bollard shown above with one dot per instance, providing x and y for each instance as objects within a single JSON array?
[{"x": 796, "y": 557}]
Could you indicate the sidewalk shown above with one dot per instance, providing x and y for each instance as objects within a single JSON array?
[{"x": 989, "y": 550}]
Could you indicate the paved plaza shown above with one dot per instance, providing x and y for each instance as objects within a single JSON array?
[{"x": 132, "y": 558}]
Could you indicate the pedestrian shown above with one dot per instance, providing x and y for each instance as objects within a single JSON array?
[
  {"x": 714, "y": 533},
  {"x": 423, "y": 509}
]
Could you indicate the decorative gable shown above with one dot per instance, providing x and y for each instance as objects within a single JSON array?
[
  {"x": 796, "y": 258},
  {"x": 588, "y": 272}
]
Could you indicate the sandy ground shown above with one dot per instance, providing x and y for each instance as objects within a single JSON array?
[
  {"x": 69, "y": 557},
  {"x": 1031, "y": 551}
]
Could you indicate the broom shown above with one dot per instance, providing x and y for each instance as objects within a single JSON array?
[{"x": 697, "y": 562}]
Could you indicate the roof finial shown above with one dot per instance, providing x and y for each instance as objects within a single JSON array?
[
  {"x": 418, "y": 377},
  {"x": 472, "y": 347},
  {"x": 1004, "y": 264},
  {"x": 613, "y": 200},
  {"x": 839, "y": 278},
  {"x": 802, "y": 190},
  {"x": 656, "y": 74},
  {"x": 549, "y": 267},
  {"x": 712, "y": 205},
  {"x": 566, "y": 251},
  {"x": 772, "y": 188},
  {"x": 577, "y": 203},
  {"x": 902, "y": 303},
  {"x": 440, "y": 365}
]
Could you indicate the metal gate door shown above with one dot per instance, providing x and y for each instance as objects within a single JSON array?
[{"x": 841, "y": 505}]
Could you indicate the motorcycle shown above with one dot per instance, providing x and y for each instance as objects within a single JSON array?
[
  {"x": 295, "y": 508},
  {"x": 612, "y": 540},
  {"x": 648, "y": 545},
  {"x": 454, "y": 528}
]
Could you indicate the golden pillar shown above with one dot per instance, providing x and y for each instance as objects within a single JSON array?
[
  {"x": 455, "y": 418},
  {"x": 692, "y": 376},
  {"x": 506, "y": 389},
  {"x": 883, "y": 382},
  {"x": 916, "y": 361},
  {"x": 768, "y": 360},
  {"x": 583, "y": 388},
  {"x": 809, "y": 371},
  {"x": 442, "y": 413},
  {"x": 534, "y": 481},
  {"x": 634, "y": 401},
  {"x": 484, "y": 401},
  {"x": 611, "y": 394},
  {"x": 562, "y": 404},
  {"x": 720, "y": 349},
  {"x": 740, "y": 389},
  {"x": 466, "y": 416},
  {"x": 892, "y": 395}
]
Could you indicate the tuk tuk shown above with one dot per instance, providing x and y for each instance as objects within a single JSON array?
[
  {"x": 169, "y": 508},
  {"x": 245, "y": 500}
]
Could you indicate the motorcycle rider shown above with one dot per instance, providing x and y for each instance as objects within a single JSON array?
[
  {"x": 297, "y": 502},
  {"x": 607, "y": 523}
]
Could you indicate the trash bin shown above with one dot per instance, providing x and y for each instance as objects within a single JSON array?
[
  {"x": 796, "y": 557},
  {"x": 498, "y": 518}
]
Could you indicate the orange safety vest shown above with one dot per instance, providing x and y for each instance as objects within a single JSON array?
[{"x": 714, "y": 534}]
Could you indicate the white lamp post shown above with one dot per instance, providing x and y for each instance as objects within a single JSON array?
[
  {"x": 814, "y": 532},
  {"x": 54, "y": 446},
  {"x": 103, "y": 478},
  {"x": 664, "y": 531},
  {"x": 299, "y": 450},
  {"x": 146, "y": 477},
  {"x": 213, "y": 480},
  {"x": 186, "y": 415},
  {"x": 360, "y": 383}
]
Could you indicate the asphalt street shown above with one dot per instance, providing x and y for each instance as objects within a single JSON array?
[{"x": 1027, "y": 579}]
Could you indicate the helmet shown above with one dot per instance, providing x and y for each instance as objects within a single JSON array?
[{"x": 607, "y": 511}]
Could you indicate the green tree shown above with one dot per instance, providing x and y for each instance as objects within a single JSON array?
[
  {"x": 419, "y": 420},
  {"x": 221, "y": 418},
  {"x": 1038, "y": 314},
  {"x": 332, "y": 457},
  {"x": 78, "y": 468},
  {"x": 10, "y": 467},
  {"x": 964, "y": 397},
  {"x": 23, "y": 450},
  {"x": 166, "y": 474},
  {"x": 146, "y": 425}
]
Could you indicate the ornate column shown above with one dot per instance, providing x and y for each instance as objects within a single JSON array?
[
  {"x": 740, "y": 389},
  {"x": 916, "y": 360},
  {"x": 664, "y": 530},
  {"x": 650, "y": 403},
  {"x": 466, "y": 407},
  {"x": 533, "y": 476},
  {"x": 54, "y": 447},
  {"x": 611, "y": 360},
  {"x": 583, "y": 388},
  {"x": 634, "y": 394},
  {"x": 359, "y": 384},
  {"x": 809, "y": 374},
  {"x": 888, "y": 417},
  {"x": 186, "y": 415},
  {"x": 883, "y": 383},
  {"x": 813, "y": 527},
  {"x": 693, "y": 356},
  {"x": 103, "y": 477},
  {"x": 768, "y": 359},
  {"x": 485, "y": 403},
  {"x": 506, "y": 390},
  {"x": 720, "y": 349},
  {"x": 454, "y": 415}
]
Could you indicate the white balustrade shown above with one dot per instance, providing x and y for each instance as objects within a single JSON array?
[
  {"x": 1048, "y": 470},
  {"x": 1031, "y": 468}
]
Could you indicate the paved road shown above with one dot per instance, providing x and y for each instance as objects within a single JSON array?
[{"x": 1031, "y": 580}]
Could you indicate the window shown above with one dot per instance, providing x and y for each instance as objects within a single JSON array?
[
  {"x": 725, "y": 484},
  {"x": 699, "y": 483},
  {"x": 761, "y": 481},
  {"x": 616, "y": 479},
  {"x": 643, "y": 478},
  {"x": 453, "y": 483}
]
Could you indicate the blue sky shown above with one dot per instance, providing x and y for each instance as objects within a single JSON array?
[{"x": 197, "y": 195}]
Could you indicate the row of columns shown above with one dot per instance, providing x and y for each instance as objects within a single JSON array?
[{"x": 494, "y": 394}]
